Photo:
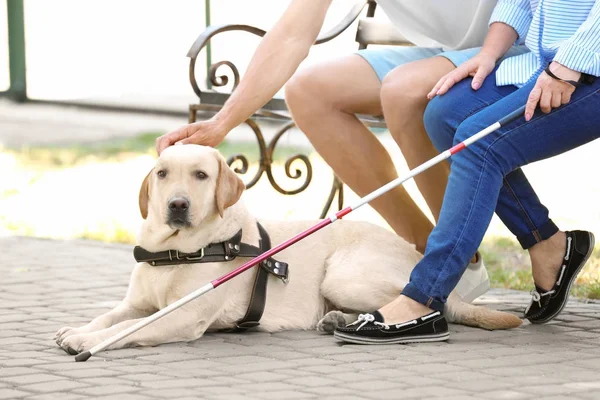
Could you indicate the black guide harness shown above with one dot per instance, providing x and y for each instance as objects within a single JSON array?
[{"x": 228, "y": 251}]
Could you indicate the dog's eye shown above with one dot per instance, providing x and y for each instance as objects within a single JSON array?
[
  {"x": 201, "y": 175},
  {"x": 162, "y": 173}
]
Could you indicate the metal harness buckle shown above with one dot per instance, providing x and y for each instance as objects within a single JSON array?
[
  {"x": 186, "y": 258},
  {"x": 197, "y": 258}
]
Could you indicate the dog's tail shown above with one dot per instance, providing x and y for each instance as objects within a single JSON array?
[{"x": 479, "y": 316}]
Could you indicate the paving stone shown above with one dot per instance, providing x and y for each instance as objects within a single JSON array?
[
  {"x": 330, "y": 391},
  {"x": 175, "y": 383},
  {"x": 142, "y": 377},
  {"x": 12, "y": 394},
  {"x": 53, "y": 386},
  {"x": 543, "y": 390},
  {"x": 287, "y": 394},
  {"x": 419, "y": 393},
  {"x": 105, "y": 380},
  {"x": 125, "y": 396},
  {"x": 272, "y": 387},
  {"x": 418, "y": 380},
  {"x": 381, "y": 385},
  {"x": 264, "y": 376},
  {"x": 504, "y": 394},
  {"x": 314, "y": 361},
  {"x": 353, "y": 357},
  {"x": 350, "y": 376},
  {"x": 193, "y": 364},
  {"x": 481, "y": 385},
  {"x": 20, "y": 362},
  {"x": 220, "y": 390},
  {"x": 264, "y": 366},
  {"x": 105, "y": 390},
  {"x": 52, "y": 396},
  {"x": 89, "y": 373},
  {"x": 387, "y": 373},
  {"x": 229, "y": 397},
  {"x": 30, "y": 378},
  {"x": 313, "y": 381},
  {"x": 170, "y": 393},
  {"x": 17, "y": 371}
]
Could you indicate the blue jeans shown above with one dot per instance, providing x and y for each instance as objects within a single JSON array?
[{"x": 485, "y": 176}]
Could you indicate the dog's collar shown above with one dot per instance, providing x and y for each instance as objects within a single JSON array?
[{"x": 227, "y": 250}]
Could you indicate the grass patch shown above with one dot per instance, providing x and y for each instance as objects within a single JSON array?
[
  {"x": 509, "y": 267},
  {"x": 60, "y": 156},
  {"x": 118, "y": 149},
  {"x": 111, "y": 233}
]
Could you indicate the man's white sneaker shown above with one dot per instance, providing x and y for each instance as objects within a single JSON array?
[{"x": 475, "y": 281}]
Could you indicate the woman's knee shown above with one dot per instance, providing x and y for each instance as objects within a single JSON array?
[
  {"x": 438, "y": 124},
  {"x": 487, "y": 149}
]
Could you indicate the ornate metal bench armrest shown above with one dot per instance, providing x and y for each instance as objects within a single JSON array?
[{"x": 212, "y": 31}]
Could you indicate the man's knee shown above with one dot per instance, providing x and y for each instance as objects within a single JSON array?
[
  {"x": 299, "y": 89},
  {"x": 402, "y": 89},
  {"x": 307, "y": 90}
]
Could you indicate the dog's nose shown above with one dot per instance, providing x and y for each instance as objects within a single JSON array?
[{"x": 179, "y": 204}]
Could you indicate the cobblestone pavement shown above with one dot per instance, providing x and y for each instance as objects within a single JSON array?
[{"x": 47, "y": 284}]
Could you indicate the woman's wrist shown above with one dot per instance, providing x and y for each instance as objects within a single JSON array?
[
  {"x": 563, "y": 72},
  {"x": 490, "y": 54}
]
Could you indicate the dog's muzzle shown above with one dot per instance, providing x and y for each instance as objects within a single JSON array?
[{"x": 178, "y": 212}]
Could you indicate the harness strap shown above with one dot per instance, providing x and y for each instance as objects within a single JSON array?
[
  {"x": 215, "y": 252},
  {"x": 258, "y": 298}
]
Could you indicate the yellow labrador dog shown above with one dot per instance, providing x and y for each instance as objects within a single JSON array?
[{"x": 192, "y": 199}]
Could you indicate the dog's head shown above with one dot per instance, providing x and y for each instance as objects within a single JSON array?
[{"x": 188, "y": 185}]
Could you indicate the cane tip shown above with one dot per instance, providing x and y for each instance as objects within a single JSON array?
[{"x": 83, "y": 356}]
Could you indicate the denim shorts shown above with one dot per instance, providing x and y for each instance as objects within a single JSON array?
[{"x": 385, "y": 59}]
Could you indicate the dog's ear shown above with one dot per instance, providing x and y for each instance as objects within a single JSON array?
[
  {"x": 229, "y": 187},
  {"x": 145, "y": 195}
]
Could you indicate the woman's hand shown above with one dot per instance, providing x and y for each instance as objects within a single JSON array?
[
  {"x": 550, "y": 92},
  {"x": 207, "y": 133},
  {"x": 479, "y": 67}
]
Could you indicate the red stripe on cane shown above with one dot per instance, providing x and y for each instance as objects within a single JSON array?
[
  {"x": 457, "y": 148},
  {"x": 343, "y": 212},
  {"x": 270, "y": 253}
]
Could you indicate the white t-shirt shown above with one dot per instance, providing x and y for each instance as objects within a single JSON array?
[{"x": 449, "y": 24}]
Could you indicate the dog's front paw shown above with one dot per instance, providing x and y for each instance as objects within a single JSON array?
[
  {"x": 76, "y": 344},
  {"x": 330, "y": 321},
  {"x": 65, "y": 332}
]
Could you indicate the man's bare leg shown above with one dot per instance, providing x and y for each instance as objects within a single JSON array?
[
  {"x": 404, "y": 99},
  {"x": 323, "y": 101}
]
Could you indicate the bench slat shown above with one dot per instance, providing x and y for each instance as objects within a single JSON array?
[{"x": 382, "y": 33}]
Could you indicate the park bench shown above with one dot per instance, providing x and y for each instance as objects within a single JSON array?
[{"x": 369, "y": 32}]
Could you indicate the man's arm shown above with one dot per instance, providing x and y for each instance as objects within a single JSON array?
[{"x": 277, "y": 57}]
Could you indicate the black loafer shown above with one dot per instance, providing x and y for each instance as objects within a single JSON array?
[
  {"x": 545, "y": 305},
  {"x": 371, "y": 329}
]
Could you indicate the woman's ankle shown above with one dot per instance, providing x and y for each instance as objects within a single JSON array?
[
  {"x": 546, "y": 257},
  {"x": 555, "y": 244}
]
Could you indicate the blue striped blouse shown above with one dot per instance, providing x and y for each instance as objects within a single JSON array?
[{"x": 565, "y": 31}]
